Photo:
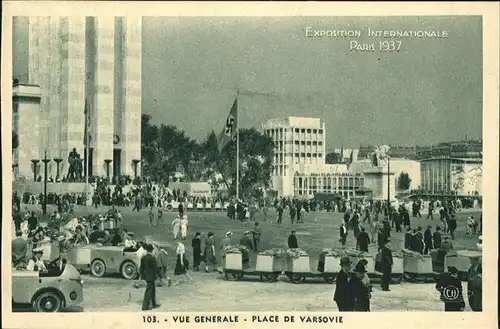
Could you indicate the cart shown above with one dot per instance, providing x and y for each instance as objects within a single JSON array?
[
  {"x": 461, "y": 260},
  {"x": 268, "y": 268},
  {"x": 418, "y": 269}
]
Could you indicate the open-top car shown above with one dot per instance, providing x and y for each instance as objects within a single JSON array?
[
  {"x": 47, "y": 292},
  {"x": 101, "y": 260}
]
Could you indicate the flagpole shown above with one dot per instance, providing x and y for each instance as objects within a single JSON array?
[
  {"x": 86, "y": 150},
  {"x": 237, "y": 149}
]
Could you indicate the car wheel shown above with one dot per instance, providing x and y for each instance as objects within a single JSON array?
[
  {"x": 98, "y": 268},
  {"x": 129, "y": 270},
  {"x": 48, "y": 302}
]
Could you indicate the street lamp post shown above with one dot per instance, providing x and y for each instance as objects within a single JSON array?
[
  {"x": 58, "y": 162},
  {"x": 45, "y": 162},
  {"x": 388, "y": 185}
]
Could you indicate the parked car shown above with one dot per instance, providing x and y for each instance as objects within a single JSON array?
[
  {"x": 47, "y": 292},
  {"x": 101, "y": 260}
]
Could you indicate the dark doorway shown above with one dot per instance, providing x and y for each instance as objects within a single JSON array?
[{"x": 117, "y": 162}]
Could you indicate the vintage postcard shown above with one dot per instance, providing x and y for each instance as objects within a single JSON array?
[{"x": 249, "y": 165}]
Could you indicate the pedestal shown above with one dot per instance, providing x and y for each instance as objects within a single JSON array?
[{"x": 376, "y": 179}]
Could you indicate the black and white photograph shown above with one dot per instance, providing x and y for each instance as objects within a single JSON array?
[{"x": 226, "y": 163}]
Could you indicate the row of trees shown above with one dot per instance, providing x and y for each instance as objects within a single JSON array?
[{"x": 166, "y": 149}]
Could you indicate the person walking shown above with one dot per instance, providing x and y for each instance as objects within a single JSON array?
[
  {"x": 363, "y": 240},
  {"x": 430, "y": 213},
  {"x": 428, "y": 240},
  {"x": 176, "y": 226},
  {"x": 181, "y": 264},
  {"x": 151, "y": 216},
  {"x": 436, "y": 238},
  {"x": 292, "y": 240},
  {"x": 224, "y": 243},
  {"x": 475, "y": 284},
  {"x": 280, "y": 214},
  {"x": 184, "y": 227},
  {"x": 450, "y": 287},
  {"x": 209, "y": 253},
  {"x": 342, "y": 295},
  {"x": 256, "y": 233},
  {"x": 343, "y": 234},
  {"x": 360, "y": 288},
  {"x": 148, "y": 271},
  {"x": 197, "y": 256},
  {"x": 386, "y": 265}
]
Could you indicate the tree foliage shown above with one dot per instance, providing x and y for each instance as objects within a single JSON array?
[
  {"x": 166, "y": 148},
  {"x": 404, "y": 181},
  {"x": 333, "y": 158}
]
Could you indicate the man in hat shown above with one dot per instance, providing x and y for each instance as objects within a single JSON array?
[
  {"x": 36, "y": 263},
  {"x": 475, "y": 284},
  {"x": 292, "y": 240},
  {"x": 96, "y": 235},
  {"x": 363, "y": 240},
  {"x": 246, "y": 242},
  {"x": 343, "y": 234},
  {"x": 447, "y": 245},
  {"x": 450, "y": 287},
  {"x": 436, "y": 238},
  {"x": 80, "y": 236},
  {"x": 224, "y": 243},
  {"x": 428, "y": 240},
  {"x": 280, "y": 213},
  {"x": 386, "y": 265},
  {"x": 197, "y": 254},
  {"x": 256, "y": 233},
  {"x": 342, "y": 295},
  {"x": 360, "y": 288},
  {"x": 148, "y": 271},
  {"x": 19, "y": 250},
  {"x": 408, "y": 237}
]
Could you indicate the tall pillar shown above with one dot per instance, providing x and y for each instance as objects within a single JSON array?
[
  {"x": 26, "y": 100},
  {"x": 72, "y": 88},
  {"x": 131, "y": 116},
  {"x": 103, "y": 114}
]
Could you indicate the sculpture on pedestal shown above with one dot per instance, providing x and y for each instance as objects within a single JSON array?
[
  {"x": 379, "y": 155},
  {"x": 75, "y": 166}
]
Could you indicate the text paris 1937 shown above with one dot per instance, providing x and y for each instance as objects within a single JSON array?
[{"x": 381, "y": 46}]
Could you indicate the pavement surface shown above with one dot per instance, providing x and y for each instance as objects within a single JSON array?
[{"x": 210, "y": 292}]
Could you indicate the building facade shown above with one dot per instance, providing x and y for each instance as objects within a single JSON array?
[
  {"x": 299, "y": 142},
  {"x": 452, "y": 167},
  {"x": 87, "y": 63}
]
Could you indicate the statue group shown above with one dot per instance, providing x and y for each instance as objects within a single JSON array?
[
  {"x": 379, "y": 156},
  {"x": 75, "y": 170}
]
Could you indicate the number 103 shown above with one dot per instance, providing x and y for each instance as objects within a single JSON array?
[{"x": 390, "y": 46}]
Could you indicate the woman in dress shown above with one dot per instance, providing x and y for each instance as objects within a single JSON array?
[
  {"x": 181, "y": 264},
  {"x": 176, "y": 225},
  {"x": 360, "y": 288},
  {"x": 209, "y": 253},
  {"x": 184, "y": 227}
]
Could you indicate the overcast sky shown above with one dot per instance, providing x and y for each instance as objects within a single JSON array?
[{"x": 430, "y": 91}]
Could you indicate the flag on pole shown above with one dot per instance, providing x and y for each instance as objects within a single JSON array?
[
  {"x": 230, "y": 127},
  {"x": 87, "y": 123},
  {"x": 350, "y": 160}
]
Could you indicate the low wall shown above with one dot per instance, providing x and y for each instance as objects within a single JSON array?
[{"x": 59, "y": 188}]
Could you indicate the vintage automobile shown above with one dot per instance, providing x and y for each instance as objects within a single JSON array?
[
  {"x": 47, "y": 292},
  {"x": 101, "y": 260}
]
